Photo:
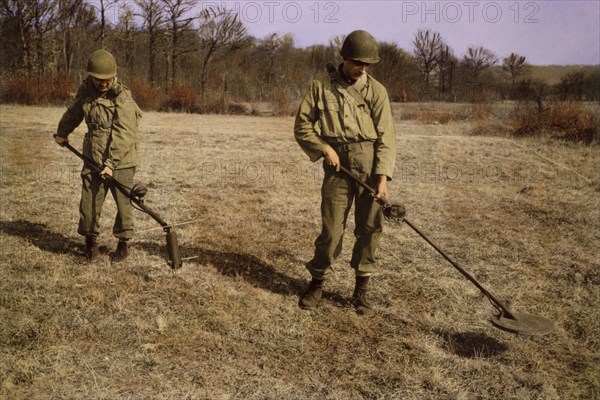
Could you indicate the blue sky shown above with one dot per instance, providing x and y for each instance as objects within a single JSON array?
[{"x": 545, "y": 31}]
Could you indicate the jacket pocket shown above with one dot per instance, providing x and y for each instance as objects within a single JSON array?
[
  {"x": 102, "y": 113},
  {"x": 329, "y": 118},
  {"x": 365, "y": 123}
]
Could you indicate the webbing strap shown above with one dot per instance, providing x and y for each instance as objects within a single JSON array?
[{"x": 334, "y": 74}]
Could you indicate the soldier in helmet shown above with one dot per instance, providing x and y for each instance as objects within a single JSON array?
[
  {"x": 346, "y": 119},
  {"x": 111, "y": 115}
]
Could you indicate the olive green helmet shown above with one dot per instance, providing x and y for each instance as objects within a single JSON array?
[
  {"x": 361, "y": 46},
  {"x": 102, "y": 65}
]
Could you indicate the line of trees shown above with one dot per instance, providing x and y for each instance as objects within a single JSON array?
[{"x": 173, "y": 53}]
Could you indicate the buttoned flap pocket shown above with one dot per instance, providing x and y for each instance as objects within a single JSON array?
[
  {"x": 329, "y": 118},
  {"x": 330, "y": 102},
  {"x": 103, "y": 113},
  {"x": 328, "y": 106}
]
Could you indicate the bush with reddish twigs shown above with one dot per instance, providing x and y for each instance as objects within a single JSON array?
[
  {"x": 181, "y": 98},
  {"x": 565, "y": 120},
  {"x": 20, "y": 90},
  {"x": 143, "y": 94},
  {"x": 32, "y": 90}
]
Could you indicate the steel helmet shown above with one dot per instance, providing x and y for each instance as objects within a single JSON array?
[
  {"x": 102, "y": 65},
  {"x": 361, "y": 46}
]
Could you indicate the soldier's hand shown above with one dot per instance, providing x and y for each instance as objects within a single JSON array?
[
  {"x": 61, "y": 140},
  {"x": 332, "y": 158},
  {"x": 106, "y": 171},
  {"x": 382, "y": 189}
]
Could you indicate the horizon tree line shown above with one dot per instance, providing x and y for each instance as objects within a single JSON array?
[{"x": 163, "y": 45}]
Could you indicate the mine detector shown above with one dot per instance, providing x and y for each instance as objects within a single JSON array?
[
  {"x": 506, "y": 319},
  {"x": 136, "y": 195}
]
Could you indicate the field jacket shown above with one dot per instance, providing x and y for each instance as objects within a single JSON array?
[
  {"x": 328, "y": 114},
  {"x": 112, "y": 121}
]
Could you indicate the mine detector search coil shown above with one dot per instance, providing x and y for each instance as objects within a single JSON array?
[
  {"x": 506, "y": 319},
  {"x": 136, "y": 196}
]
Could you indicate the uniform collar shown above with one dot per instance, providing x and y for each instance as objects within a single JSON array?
[{"x": 359, "y": 84}]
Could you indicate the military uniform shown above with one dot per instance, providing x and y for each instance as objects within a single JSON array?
[
  {"x": 111, "y": 140},
  {"x": 364, "y": 137},
  {"x": 350, "y": 112}
]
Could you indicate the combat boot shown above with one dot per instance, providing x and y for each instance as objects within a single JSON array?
[
  {"x": 91, "y": 249},
  {"x": 121, "y": 253},
  {"x": 312, "y": 296},
  {"x": 359, "y": 297}
]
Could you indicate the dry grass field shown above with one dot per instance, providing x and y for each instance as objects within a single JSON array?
[{"x": 227, "y": 324}]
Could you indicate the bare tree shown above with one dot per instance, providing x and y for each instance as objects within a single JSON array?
[
  {"x": 73, "y": 15},
  {"x": 125, "y": 34},
  {"x": 219, "y": 29},
  {"x": 153, "y": 16},
  {"x": 446, "y": 65},
  {"x": 178, "y": 22},
  {"x": 33, "y": 21},
  {"x": 21, "y": 14},
  {"x": 105, "y": 5},
  {"x": 572, "y": 86},
  {"x": 336, "y": 42},
  {"x": 393, "y": 69},
  {"x": 44, "y": 21},
  {"x": 269, "y": 48},
  {"x": 427, "y": 47},
  {"x": 479, "y": 59},
  {"x": 514, "y": 66}
]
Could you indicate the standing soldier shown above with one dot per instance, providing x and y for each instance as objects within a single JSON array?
[
  {"x": 346, "y": 118},
  {"x": 111, "y": 116}
]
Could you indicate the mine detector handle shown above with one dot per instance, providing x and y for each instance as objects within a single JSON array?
[
  {"x": 397, "y": 213},
  {"x": 368, "y": 188},
  {"x": 172, "y": 242}
]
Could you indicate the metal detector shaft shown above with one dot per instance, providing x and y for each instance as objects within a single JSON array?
[
  {"x": 124, "y": 189},
  {"x": 371, "y": 191},
  {"x": 172, "y": 242},
  {"x": 505, "y": 310}
]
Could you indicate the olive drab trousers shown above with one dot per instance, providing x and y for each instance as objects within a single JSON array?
[
  {"x": 338, "y": 193},
  {"x": 93, "y": 193}
]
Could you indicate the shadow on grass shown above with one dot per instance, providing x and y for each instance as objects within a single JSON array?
[
  {"x": 246, "y": 266},
  {"x": 472, "y": 345},
  {"x": 40, "y": 236}
]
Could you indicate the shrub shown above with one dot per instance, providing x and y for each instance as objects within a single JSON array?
[
  {"x": 239, "y": 108},
  {"x": 426, "y": 116},
  {"x": 283, "y": 105},
  {"x": 28, "y": 90},
  {"x": 181, "y": 98},
  {"x": 143, "y": 94},
  {"x": 565, "y": 120},
  {"x": 21, "y": 90}
]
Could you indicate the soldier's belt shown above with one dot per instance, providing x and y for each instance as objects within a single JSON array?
[{"x": 347, "y": 147}]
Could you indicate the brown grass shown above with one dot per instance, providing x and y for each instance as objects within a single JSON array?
[{"x": 227, "y": 325}]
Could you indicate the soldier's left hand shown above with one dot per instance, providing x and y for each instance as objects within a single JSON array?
[
  {"x": 106, "y": 171},
  {"x": 382, "y": 188},
  {"x": 61, "y": 140}
]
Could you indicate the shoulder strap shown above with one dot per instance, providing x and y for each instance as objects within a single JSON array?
[{"x": 334, "y": 74}]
